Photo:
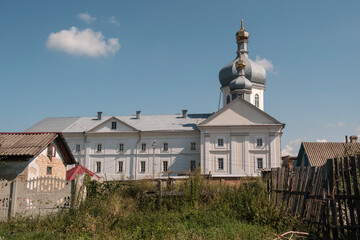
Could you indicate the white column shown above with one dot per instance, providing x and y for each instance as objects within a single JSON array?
[
  {"x": 233, "y": 155},
  {"x": 207, "y": 153},
  {"x": 247, "y": 160},
  {"x": 272, "y": 157}
]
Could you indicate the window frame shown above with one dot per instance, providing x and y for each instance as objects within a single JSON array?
[
  {"x": 192, "y": 168},
  {"x": 47, "y": 170},
  {"x": 122, "y": 166},
  {"x": 256, "y": 141},
  {"x": 77, "y": 150},
  {"x": 121, "y": 147},
  {"x": 167, "y": 147},
  {"x": 165, "y": 163},
  {"x": 217, "y": 142},
  {"x": 141, "y": 171},
  {"x": 51, "y": 150},
  {"x": 257, "y": 163},
  {"x": 228, "y": 99},
  {"x": 113, "y": 125},
  {"x": 143, "y": 149},
  {"x": 98, "y": 168},
  {"x": 97, "y": 148},
  {"x": 257, "y": 100},
  {"x": 218, "y": 168},
  {"x": 193, "y": 146}
]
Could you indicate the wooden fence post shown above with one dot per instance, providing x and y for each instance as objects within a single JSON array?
[{"x": 13, "y": 196}]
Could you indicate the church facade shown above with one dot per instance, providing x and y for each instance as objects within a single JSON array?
[{"x": 238, "y": 140}]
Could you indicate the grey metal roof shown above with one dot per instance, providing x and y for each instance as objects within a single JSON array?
[
  {"x": 253, "y": 72},
  {"x": 145, "y": 123}
]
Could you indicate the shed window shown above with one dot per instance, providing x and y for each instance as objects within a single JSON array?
[
  {"x": 49, "y": 170},
  {"x": 51, "y": 151}
]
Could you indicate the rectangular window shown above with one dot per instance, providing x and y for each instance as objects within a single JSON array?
[
  {"x": 193, "y": 146},
  {"x": 98, "y": 167},
  {"x": 49, "y": 170},
  {"x": 165, "y": 166},
  {"x": 77, "y": 148},
  {"x": 99, "y": 148},
  {"x": 113, "y": 125},
  {"x": 165, "y": 147},
  {"x": 120, "y": 166},
  {"x": 143, "y": 147},
  {"x": 51, "y": 151},
  {"x": 142, "y": 166},
  {"x": 220, "y": 142},
  {"x": 220, "y": 164},
  {"x": 259, "y": 163},
  {"x": 121, "y": 147},
  {"x": 192, "y": 165},
  {"x": 259, "y": 142}
]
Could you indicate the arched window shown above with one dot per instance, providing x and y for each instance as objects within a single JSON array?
[
  {"x": 228, "y": 99},
  {"x": 257, "y": 100}
]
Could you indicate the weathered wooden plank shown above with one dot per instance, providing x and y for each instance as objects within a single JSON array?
[
  {"x": 343, "y": 190},
  {"x": 354, "y": 171},
  {"x": 331, "y": 201},
  {"x": 336, "y": 181},
  {"x": 349, "y": 191}
]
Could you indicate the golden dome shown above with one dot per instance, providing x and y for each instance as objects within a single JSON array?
[
  {"x": 240, "y": 64},
  {"x": 242, "y": 34}
]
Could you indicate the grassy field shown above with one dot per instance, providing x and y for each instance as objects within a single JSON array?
[{"x": 125, "y": 211}]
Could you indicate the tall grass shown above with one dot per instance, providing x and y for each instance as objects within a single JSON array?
[{"x": 196, "y": 209}]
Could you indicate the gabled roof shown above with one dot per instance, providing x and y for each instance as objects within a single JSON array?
[
  {"x": 317, "y": 153},
  {"x": 146, "y": 123},
  {"x": 237, "y": 108},
  {"x": 30, "y": 144},
  {"x": 79, "y": 169}
]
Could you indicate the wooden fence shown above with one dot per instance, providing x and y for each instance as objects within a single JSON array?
[{"x": 327, "y": 196}]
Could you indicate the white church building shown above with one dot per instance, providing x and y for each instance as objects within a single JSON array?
[{"x": 238, "y": 140}]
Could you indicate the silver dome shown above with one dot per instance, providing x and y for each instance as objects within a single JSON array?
[
  {"x": 239, "y": 83},
  {"x": 253, "y": 72}
]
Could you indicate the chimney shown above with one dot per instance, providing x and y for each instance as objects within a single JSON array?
[
  {"x": 346, "y": 139},
  {"x": 184, "y": 113},
  {"x": 99, "y": 115},
  {"x": 138, "y": 114},
  {"x": 354, "y": 139}
]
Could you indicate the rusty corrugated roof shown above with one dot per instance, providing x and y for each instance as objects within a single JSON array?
[
  {"x": 24, "y": 144},
  {"x": 319, "y": 152}
]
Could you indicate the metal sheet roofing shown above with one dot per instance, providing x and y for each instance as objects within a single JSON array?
[
  {"x": 319, "y": 152},
  {"x": 24, "y": 144},
  {"x": 146, "y": 123}
]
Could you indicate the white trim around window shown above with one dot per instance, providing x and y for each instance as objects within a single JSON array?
[
  {"x": 120, "y": 166},
  {"x": 259, "y": 142},
  {"x": 260, "y": 162},
  {"x": 165, "y": 147},
  {"x": 98, "y": 166},
  {"x": 99, "y": 148},
  {"x": 220, "y": 142},
  {"x": 121, "y": 147},
  {"x": 165, "y": 165},
  {"x": 143, "y": 166},
  {"x": 220, "y": 163}
]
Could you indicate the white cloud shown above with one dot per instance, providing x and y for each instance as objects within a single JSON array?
[
  {"x": 267, "y": 64},
  {"x": 292, "y": 148},
  {"x": 331, "y": 125},
  {"x": 321, "y": 140},
  {"x": 82, "y": 42},
  {"x": 113, "y": 20},
  {"x": 86, "y": 17}
]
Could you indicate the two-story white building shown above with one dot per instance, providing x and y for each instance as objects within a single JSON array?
[{"x": 238, "y": 140}]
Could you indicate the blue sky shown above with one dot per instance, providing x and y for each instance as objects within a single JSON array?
[{"x": 164, "y": 56}]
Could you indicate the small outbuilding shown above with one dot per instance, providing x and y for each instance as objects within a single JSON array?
[
  {"x": 77, "y": 170},
  {"x": 27, "y": 155},
  {"x": 315, "y": 154}
]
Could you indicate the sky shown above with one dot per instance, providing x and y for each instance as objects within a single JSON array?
[{"x": 75, "y": 58}]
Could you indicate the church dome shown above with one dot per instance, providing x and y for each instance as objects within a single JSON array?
[
  {"x": 253, "y": 72},
  {"x": 240, "y": 83}
]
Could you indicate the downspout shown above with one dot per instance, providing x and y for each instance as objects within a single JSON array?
[
  {"x": 86, "y": 162},
  {"x": 136, "y": 154}
]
